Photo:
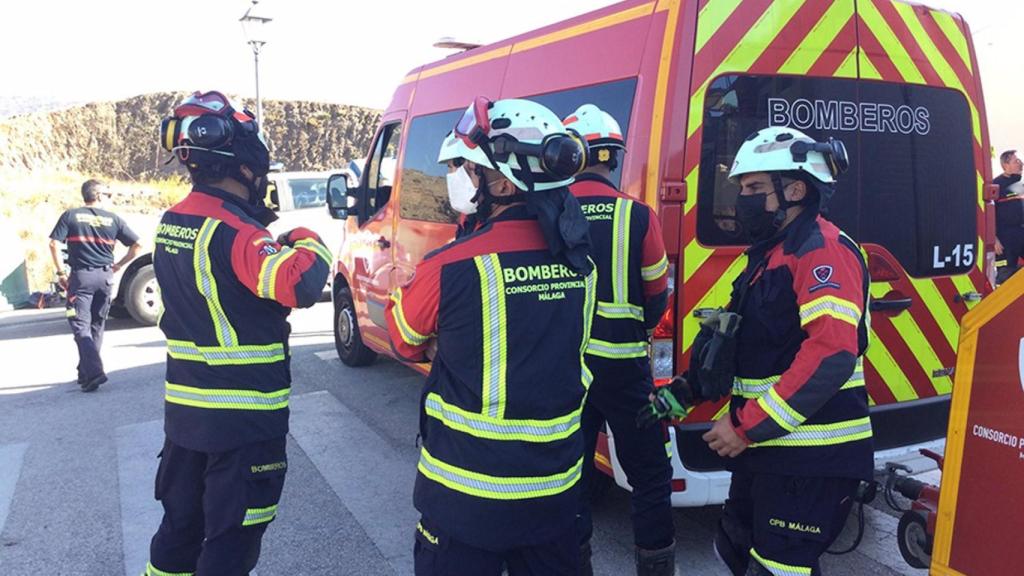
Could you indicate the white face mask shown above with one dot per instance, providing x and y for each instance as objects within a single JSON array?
[{"x": 461, "y": 191}]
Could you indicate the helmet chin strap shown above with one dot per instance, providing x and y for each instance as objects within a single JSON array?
[{"x": 784, "y": 204}]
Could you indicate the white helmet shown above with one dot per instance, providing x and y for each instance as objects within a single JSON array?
[
  {"x": 501, "y": 135},
  {"x": 596, "y": 126},
  {"x": 782, "y": 149}
]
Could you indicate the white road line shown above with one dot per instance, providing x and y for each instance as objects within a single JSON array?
[
  {"x": 137, "y": 447},
  {"x": 327, "y": 355},
  {"x": 11, "y": 457},
  {"x": 352, "y": 457}
]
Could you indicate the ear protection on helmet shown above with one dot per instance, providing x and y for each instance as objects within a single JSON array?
[
  {"x": 833, "y": 150},
  {"x": 207, "y": 131},
  {"x": 561, "y": 156}
]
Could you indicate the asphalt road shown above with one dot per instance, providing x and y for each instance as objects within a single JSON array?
[{"x": 76, "y": 470}]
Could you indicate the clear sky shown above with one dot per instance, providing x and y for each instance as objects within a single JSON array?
[{"x": 341, "y": 50}]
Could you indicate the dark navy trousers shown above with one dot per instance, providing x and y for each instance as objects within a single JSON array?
[{"x": 89, "y": 293}]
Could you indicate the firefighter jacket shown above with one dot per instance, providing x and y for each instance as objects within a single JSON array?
[
  {"x": 502, "y": 450},
  {"x": 227, "y": 288},
  {"x": 799, "y": 394},
  {"x": 632, "y": 285}
]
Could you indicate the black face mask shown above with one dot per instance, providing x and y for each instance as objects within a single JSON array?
[{"x": 754, "y": 220}]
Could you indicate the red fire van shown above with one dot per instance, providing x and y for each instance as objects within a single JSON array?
[{"x": 687, "y": 80}]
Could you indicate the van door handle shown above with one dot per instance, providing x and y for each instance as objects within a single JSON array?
[
  {"x": 895, "y": 305},
  {"x": 383, "y": 243}
]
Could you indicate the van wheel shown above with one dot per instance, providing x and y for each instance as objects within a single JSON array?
[
  {"x": 143, "y": 298},
  {"x": 347, "y": 339}
]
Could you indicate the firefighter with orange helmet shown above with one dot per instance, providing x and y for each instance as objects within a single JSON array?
[
  {"x": 632, "y": 292},
  {"x": 227, "y": 287},
  {"x": 798, "y": 435}
]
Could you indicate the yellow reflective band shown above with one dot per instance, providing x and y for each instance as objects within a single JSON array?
[
  {"x": 70, "y": 313},
  {"x": 823, "y": 434},
  {"x": 492, "y": 298},
  {"x": 780, "y": 411},
  {"x": 778, "y": 568},
  {"x": 207, "y": 284},
  {"x": 226, "y": 399},
  {"x": 668, "y": 448},
  {"x": 255, "y": 516},
  {"x": 857, "y": 379},
  {"x": 753, "y": 387},
  {"x": 409, "y": 335},
  {"x": 267, "y": 280},
  {"x": 588, "y": 376},
  {"x": 620, "y": 250},
  {"x": 588, "y": 319},
  {"x": 154, "y": 571},
  {"x": 226, "y": 355},
  {"x": 655, "y": 271},
  {"x": 497, "y": 487},
  {"x": 620, "y": 311},
  {"x": 482, "y": 426},
  {"x": 318, "y": 248},
  {"x": 837, "y": 308},
  {"x": 615, "y": 350}
]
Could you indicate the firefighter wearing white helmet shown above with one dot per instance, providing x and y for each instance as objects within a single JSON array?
[
  {"x": 632, "y": 292},
  {"x": 798, "y": 436},
  {"x": 508, "y": 310}
]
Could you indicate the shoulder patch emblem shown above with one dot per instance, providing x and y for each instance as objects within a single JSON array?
[
  {"x": 268, "y": 250},
  {"x": 823, "y": 277}
]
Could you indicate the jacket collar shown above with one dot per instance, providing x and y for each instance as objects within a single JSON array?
[
  {"x": 792, "y": 236},
  {"x": 258, "y": 213},
  {"x": 592, "y": 177},
  {"x": 513, "y": 213}
]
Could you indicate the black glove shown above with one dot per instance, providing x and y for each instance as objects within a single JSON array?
[
  {"x": 284, "y": 238},
  {"x": 713, "y": 357},
  {"x": 672, "y": 401}
]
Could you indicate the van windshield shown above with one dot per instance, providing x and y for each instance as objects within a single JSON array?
[{"x": 911, "y": 187}]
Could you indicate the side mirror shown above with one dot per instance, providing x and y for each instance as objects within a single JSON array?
[
  {"x": 273, "y": 198},
  {"x": 337, "y": 196}
]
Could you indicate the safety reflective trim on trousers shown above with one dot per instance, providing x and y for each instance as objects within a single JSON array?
[
  {"x": 207, "y": 284},
  {"x": 226, "y": 355},
  {"x": 780, "y": 411},
  {"x": 616, "y": 350},
  {"x": 778, "y": 568},
  {"x": 589, "y": 300},
  {"x": 620, "y": 250},
  {"x": 497, "y": 487},
  {"x": 408, "y": 334},
  {"x": 753, "y": 387},
  {"x": 267, "y": 279},
  {"x": 588, "y": 376},
  {"x": 154, "y": 571},
  {"x": 255, "y": 516},
  {"x": 316, "y": 247},
  {"x": 70, "y": 313},
  {"x": 830, "y": 306},
  {"x": 654, "y": 271},
  {"x": 823, "y": 434},
  {"x": 226, "y": 399},
  {"x": 492, "y": 298},
  {"x": 617, "y": 311},
  {"x": 482, "y": 426}
]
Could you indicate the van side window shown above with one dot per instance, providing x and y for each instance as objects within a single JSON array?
[
  {"x": 308, "y": 192},
  {"x": 424, "y": 183},
  {"x": 380, "y": 171},
  {"x": 911, "y": 185}
]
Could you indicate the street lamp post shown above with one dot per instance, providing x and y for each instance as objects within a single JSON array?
[{"x": 254, "y": 27}]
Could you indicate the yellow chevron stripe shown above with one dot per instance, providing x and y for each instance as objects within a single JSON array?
[
  {"x": 981, "y": 196},
  {"x": 721, "y": 411},
  {"x": 848, "y": 69},
  {"x": 820, "y": 36},
  {"x": 712, "y": 16},
  {"x": 964, "y": 285},
  {"x": 718, "y": 295},
  {"x": 660, "y": 95},
  {"x": 892, "y": 375},
  {"x": 915, "y": 340},
  {"x": 897, "y": 53},
  {"x": 932, "y": 299},
  {"x": 867, "y": 68},
  {"x": 955, "y": 36},
  {"x": 746, "y": 52}
]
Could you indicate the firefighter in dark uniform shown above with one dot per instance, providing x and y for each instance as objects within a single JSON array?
[
  {"x": 798, "y": 433},
  {"x": 227, "y": 289},
  {"x": 1009, "y": 215},
  {"x": 632, "y": 291},
  {"x": 505, "y": 312},
  {"x": 90, "y": 233}
]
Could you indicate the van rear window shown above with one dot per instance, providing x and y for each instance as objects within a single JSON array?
[{"x": 911, "y": 187}]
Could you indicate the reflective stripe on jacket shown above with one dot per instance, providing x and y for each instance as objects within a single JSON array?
[
  {"x": 500, "y": 419},
  {"x": 227, "y": 287}
]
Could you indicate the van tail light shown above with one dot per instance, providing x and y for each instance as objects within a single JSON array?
[
  {"x": 663, "y": 338},
  {"x": 881, "y": 268}
]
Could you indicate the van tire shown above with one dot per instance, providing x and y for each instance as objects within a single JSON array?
[
  {"x": 143, "y": 298},
  {"x": 347, "y": 339}
]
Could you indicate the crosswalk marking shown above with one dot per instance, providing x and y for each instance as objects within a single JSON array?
[
  {"x": 327, "y": 355},
  {"x": 356, "y": 460},
  {"x": 137, "y": 447},
  {"x": 11, "y": 457}
]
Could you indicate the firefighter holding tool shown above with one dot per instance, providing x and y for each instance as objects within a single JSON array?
[
  {"x": 798, "y": 435},
  {"x": 227, "y": 289}
]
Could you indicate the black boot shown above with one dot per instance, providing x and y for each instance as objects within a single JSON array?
[{"x": 660, "y": 562}]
